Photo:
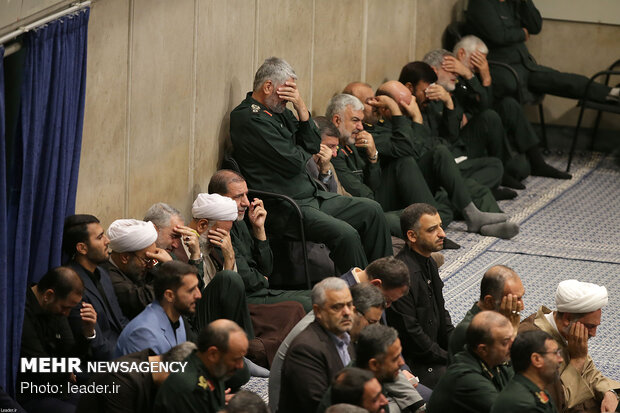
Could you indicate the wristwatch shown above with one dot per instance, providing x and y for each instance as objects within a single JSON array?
[
  {"x": 615, "y": 394},
  {"x": 374, "y": 158},
  {"x": 325, "y": 177}
]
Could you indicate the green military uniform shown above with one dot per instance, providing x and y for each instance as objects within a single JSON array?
[
  {"x": 254, "y": 259},
  {"x": 521, "y": 395},
  {"x": 500, "y": 25},
  {"x": 469, "y": 385},
  {"x": 457, "y": 339},
  {"x": 194, "y": 390},
  {"x": 272, "y": 150}
]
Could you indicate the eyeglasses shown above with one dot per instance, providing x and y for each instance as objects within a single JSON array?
[
  {"x": 557, "y": 352},
  {"x": 145, "y": 260},
  {"x": 369, "y": 320}
]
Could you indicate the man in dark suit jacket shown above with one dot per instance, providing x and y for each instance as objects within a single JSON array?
[
  {"x": 423, "y": 323},
  {"x": 320, "y": 351},
  {"x": 87, "y": 246}
]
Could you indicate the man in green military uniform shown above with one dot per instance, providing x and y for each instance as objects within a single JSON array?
[
  {"x": 536, "y": 359},
  {"x": 479, "y": 372},
  {"x": 505, "y": 26},
  {"x": 501, "y": 290},
  {"x": 399, "y": 137},
  {"x": 272, "y": 148},
  {"x": 200, "y": 387},
  {"x": 253, "y": 257}
]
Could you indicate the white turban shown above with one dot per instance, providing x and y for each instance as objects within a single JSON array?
[
  {"x": 129, "y": 235},
  {"x": 574, "y": 296},
  {"x": 214, "y": 207}
]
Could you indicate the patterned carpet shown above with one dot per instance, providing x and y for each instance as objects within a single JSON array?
[{"x": 569, "y": 229}]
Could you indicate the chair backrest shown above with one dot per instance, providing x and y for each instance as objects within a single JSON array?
[{"x": 452, "y": 34}]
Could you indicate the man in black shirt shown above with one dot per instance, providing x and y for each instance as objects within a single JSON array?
[
  {"x": 46, "y": 333},
  {"x": 87, "y": 246},
  {"x": 422, "y": 321}
]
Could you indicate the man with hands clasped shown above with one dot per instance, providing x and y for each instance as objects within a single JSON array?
[{"x": 580, "y": 386}]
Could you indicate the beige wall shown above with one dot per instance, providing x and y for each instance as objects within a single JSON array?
[{"x": 164, "y": 75}]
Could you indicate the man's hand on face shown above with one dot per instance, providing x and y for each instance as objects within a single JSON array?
[
  {"x": 288, "y": 91},
  {"x": 189, "y": 237},
  {"x": 257, "y": 216},
  {"x": 89, "y": 319},
  {"x": 364, "y": 140},
  {"x": 481, "y": 65},
  {"x": 437, "y": 92},
  {"x": 159, "y": 255},
  {"x": 578, "y": 345},
  {"x": 221, "y": 238},
  {"x": 385, "y": 102},
  {"x": 511, "y": 308},
  {"x": 413, "y": 109},
  {"x": 323, "y": 159},
  {"x": 453, "y": 65},
  {"x": 527, "y": 34}
]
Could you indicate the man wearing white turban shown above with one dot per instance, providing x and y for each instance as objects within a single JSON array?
[
  {"x": 580, "y": 387},
  {"x": 133, "y": 253}
]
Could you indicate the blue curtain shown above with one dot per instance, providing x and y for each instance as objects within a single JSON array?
[
  {"x": 43, "y": 178},
  {"x": 5, "y": 293}
]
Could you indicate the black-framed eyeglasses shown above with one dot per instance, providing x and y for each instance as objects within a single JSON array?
[
  {"x": 368, "y": 320},
  {"x": 145, "y": 260},
  {"x": 557, "y": 352}
]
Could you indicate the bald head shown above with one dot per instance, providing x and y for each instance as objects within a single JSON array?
[
  {"x": 490, "y": 335},
  {"x": 363, "y": 91},
  {"x": 62, "y": 280},
  {"x": 497, "y": 282},
  {"x": 396, "y": 91}
]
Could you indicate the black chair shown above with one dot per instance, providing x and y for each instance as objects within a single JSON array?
[
  {"x": 230, "y": 163},
  {"x": 585, "y": 103}
]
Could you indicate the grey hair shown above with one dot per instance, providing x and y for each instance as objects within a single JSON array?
[
  {"x": 160, "y": 214},
  {"x": 471, "y": 44},
  {"x": 365, "y": 296},
  {"x": 319, "y": 295},
  {"x": 275, "y": 69},
  {"x": 435, "y": 57},
  {"x": 179, "y": 352},
  {"x": 345, "y": 408},
  {"x": 373, "y": 342},
  {"x": 339, "y": 103}
]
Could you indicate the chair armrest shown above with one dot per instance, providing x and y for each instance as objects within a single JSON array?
[{"x": 606, "y": 73}]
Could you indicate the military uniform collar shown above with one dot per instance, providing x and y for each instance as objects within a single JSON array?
[{"x": 541, "y": 396}]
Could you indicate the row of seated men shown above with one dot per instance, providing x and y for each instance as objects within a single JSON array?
[{"x": 420, "y": 361}]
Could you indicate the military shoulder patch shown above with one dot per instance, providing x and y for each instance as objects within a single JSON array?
[
  {"x": 542, "y": 396},
  {"x": 205, "y": 384},
  {"x": 255, "y": 108}
]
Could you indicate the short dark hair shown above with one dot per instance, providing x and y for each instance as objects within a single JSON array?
[
  {"x": 216, "y": 335},
  {"x": 373, "y": 342},
  {"x": 494, "y": 280},
  {"x": 63, "y": 281},
  {"x": 348, "y": 386},
  {"x": 170, "y": 277},
  {"x": 326, "y": 127},
  {"x": 525, "y": 344},
  {"x": 221, "y": 179},
  {"x": 415, "y": 72},
  {"x": 246, "y": 402},
  {"x": 75, "y": 231},
  {"x": 365, "y": 296},
  {"x": 392, "y": 272},
  {"x": 410, "y": 217}
]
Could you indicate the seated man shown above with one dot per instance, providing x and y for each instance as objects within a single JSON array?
[
  {"x": 320, "y": 351},
  {"x": 501, "y": 290},
  {"x": 358, "y": 387},
  {"x": 479, "y": 372},
  {"x": 422, "y": 321},
  {"x": 387, "y": 274},
  {"x": 135, "y": 390},
  {"x": 200, "y": 387},
  {"x": 160, "y": 327},
  {"x": 378, "y": 349},
  {"x": 536, "y": 360},
  {"x": 505, "y": 26},
  {"x": 86, "y": 243},
  {"x": 399, "y": 136},
  {"x": 272, "y": 148},
  {"x": 319, "y": 166},
  {"x": 46, "y": 333},
  {"x": 246, "y": 401},
  {"x": 580, "y": 386},
  {"x": 130, "y": 241},
  {"x": 252, "y": 254},
  {"x": 479, "y": 132},
  {"x": 471, "y": 52}
]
